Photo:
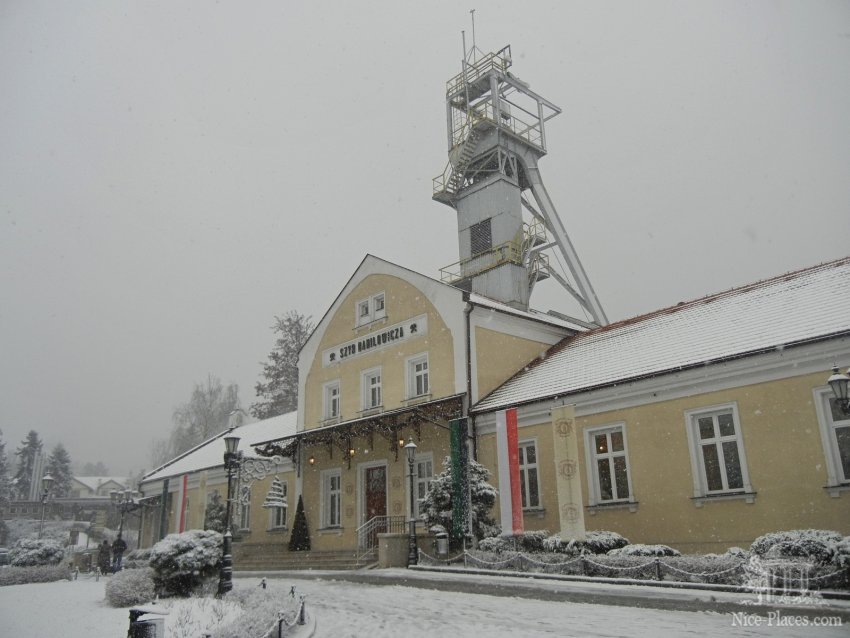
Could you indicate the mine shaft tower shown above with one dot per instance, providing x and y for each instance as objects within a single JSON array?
[{"x": 496, "y": 136}]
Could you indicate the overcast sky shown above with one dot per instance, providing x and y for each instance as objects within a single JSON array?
[{"x": 175, "y": 174}]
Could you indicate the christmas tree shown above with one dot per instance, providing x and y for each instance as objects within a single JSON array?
[
  {"x": 300, "y": 540},
  {"x": 276, "y": 496}
]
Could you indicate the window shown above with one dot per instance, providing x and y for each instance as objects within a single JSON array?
[
  {"x": 418, "y": 383},
  {"x": 371, "y": 309},
  {"x": 331, "y": 408},
  {"x": 277, "y": 504},
  {"x": 331, "y": 497},
  {"x": 717, "y": 452},
  {"x": 608, "y": 464},
  {"x": 835, "y": 436},
  {"x": 528, "y": 474},
  {"x": 245, "y": 508},
  {"x": 424, "y": 473},
  {"x": 372, "y": 389},
  {"x": 480, "y": 237}
]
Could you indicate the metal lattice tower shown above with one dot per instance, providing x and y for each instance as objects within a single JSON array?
[{"x": 496, "y": 136}]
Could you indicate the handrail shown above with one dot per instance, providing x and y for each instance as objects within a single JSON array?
[
  {"x": 508, "y": 252},
  {"x": 367, "y": 532}
]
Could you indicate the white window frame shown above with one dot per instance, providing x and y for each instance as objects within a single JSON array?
[
  {"x": 328, "y": 399},
  {"x": 695, "y": 444},
  {"x": 525, "y": 469},
  {"x": 412, "y": 375},
  {"x": 367, "y": 386},
  {"x": 419, "y": 482},
  {"x": 836, "y": 481},
  {"x": 368, "y": 310},
  {"x": 592, "y": 457},
  {"x": 245, "y": 509},
  {"x": 278, "y": 515},
  {"x": 331, "y": 499}
]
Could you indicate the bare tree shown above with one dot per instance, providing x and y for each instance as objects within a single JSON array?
[{"x": 279, "y": 391}]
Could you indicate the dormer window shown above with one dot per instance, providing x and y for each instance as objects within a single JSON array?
[{"x": 371, "y": 309}]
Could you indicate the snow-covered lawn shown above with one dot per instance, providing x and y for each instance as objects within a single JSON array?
[{"x": 77, "y": 610}]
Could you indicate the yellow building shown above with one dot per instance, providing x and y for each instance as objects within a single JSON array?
[{"x": 702, "y": 426}]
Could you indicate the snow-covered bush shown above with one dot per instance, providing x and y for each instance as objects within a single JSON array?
[
  {"x": 737, "y": 552},
  {"x": 40, "y": 574},
  {"x": 437, "y": 505},
  {"x": 260, "y": 608},
  {"x": 644, "y": 550},
  {"x": 181, "y": 562},
  {"x": 29, "y": 552},
  {"x": 497, "y": 544},
  {"x": 596, "y": 542},
  {"x": 841, "y": 553},
  {"x": 131, "y": 587},
  {"x": 137, "y": 558},
  {"x": 814, "y": 544}
]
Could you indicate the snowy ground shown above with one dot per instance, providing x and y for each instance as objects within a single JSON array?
[{"x": 77, "y": 610}]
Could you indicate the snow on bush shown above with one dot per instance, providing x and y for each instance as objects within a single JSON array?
[
  {"x": 28, "y": 552},
  {"x": 437, "y": 504},
  {"x": 131, "y": 587},
  {"x": 841, "y": 553},
  {"x": 644, "y": 550},
  {"x": 40, "y": 574},
  {"x": 137, "y": 558},
  {"x": 596, "y": 542},
  {"x": 815, "y": 544},
  {"x": 737, "y": 552},
  {"x": 259, "y": 613},
  {"x": 182, "y": 562}
]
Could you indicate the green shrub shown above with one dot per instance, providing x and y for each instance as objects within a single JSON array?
[
  {"x": 644, "y": 550},
  {"x": 815, "y": 544},
  {"x": 33, "y": 574},
  {"x": 30, "y": 552},
  {"x": 182, "y": 562},
  {"x": 131, "y": 587}
]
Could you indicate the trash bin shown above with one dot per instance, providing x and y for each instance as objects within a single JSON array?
[
  {"x": 146, "y": 621},
  {"x": 442, "y": 544}
]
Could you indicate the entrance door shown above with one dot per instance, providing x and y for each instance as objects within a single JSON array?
[{"x": 376, "y": 499}]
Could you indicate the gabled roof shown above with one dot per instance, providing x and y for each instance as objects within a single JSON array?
[
  {"x": 96, "y": 482},
  {"x": 210, "y": 453},
  {"x": 799, "y": 307}
]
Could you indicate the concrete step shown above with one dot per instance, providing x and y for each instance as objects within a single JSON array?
[{"x": 261, "y": 557}]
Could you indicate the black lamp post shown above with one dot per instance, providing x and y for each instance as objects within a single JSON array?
[
  {"x": 412, "y": 549},
  {"x": 231, "y": 464},
  {"x": 840, "y": 384},
  {"x": 124, "y": 501},
  {"x": 46, "y": 484}
]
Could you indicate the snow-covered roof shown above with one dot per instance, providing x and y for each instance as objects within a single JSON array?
[
  {"x": 794, "y": 308},
  {"x": 95, "y": 482},
  {"x": 534, "y": 315},
  {"x": 210, "y": 453}
]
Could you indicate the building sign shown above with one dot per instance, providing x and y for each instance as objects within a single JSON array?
[{"x": 374, "y": 341}]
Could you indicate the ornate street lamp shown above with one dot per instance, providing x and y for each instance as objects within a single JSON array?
[
  {"x": 412, "y": 549},
  {"x": 231, "y": 465},
  {"x": 840, "y": 384},
  {"x": 124, "y": 501},
  {"x": 46, "y": 484}
]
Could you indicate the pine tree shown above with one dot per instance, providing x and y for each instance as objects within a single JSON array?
[
  {"x": 59, "y": 467},
  {"x": 5, "y": 479},
  {"x": 437, "y": 504},
  {"x": 300, "y": 539},
  {"x": 215, "y": 514},
  {"x": 27, "y": 454},
  {"x": 279, "y": 391}
]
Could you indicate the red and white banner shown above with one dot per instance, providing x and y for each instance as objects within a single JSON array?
[
  {"x": 510, "y": 489},
  {"x": 184, "y": 497}
]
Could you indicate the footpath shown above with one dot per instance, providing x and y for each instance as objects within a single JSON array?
[{"x": 664, "y": 596}]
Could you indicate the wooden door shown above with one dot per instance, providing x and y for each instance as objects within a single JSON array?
[{"x": 376, "y": 497}]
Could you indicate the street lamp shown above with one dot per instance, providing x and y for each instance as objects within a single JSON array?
[
  {"x": 840, "y": 384},
  {"x": 124, "y": 501},
  {"x": 231, "y": 464},
  {"x": 46, "y": 484},
  {"x": 412, "y": 549}
]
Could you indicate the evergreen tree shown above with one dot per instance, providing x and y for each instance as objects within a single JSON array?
[
  {"x": 27, "y": 454},
  {"x": 437, "y": 505},
  {"x": 300, "y": 539},
  {"x": 215, "y": 514},
  {"x": 59, "y": 467},
  {"x": 279, "y": 391},
  {"x": 5, "y": 479}
]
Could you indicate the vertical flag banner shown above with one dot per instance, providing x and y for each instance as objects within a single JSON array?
[
  {"x": 182, "y": 503},
  {"x": 163, "y": 511},
  {"x": 567, "y": 479},
  {"x": 510, "y": 489},
  {"x": 460, "y": 480}
]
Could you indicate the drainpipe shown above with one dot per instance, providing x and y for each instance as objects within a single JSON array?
[{"x": 467, "y": 311}]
